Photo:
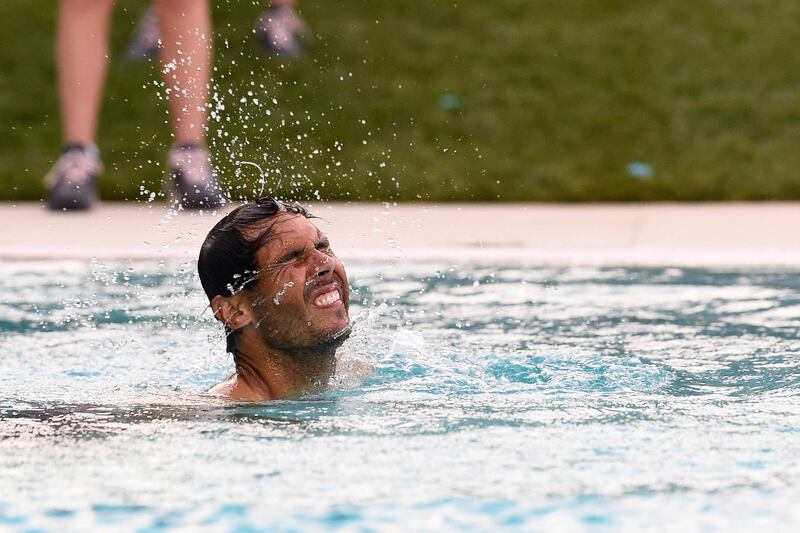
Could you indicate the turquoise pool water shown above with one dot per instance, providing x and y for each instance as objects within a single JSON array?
[{"x": 503, "y": 398}]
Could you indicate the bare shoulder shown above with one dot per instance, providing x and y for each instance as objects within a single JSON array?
[
  {"x": 234, "y": 387},
  {"x": 226, "y": 388}
]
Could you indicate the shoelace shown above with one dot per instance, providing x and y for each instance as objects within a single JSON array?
[
  {"x": 76, "y": 167},
  {"x": 193, "y": 163}
]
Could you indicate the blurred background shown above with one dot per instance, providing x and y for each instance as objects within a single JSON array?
[{"x": 509, "y": 100}]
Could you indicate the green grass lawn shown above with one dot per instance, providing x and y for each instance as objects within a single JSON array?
[{"x": 464, "y": 100}]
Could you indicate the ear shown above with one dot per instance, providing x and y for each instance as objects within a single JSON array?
[{"x": 231, "y": 311}]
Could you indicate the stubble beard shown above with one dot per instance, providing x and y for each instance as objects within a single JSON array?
[
  {"x": 315, "y": 360},
  {"x": 316, "y": 346}
]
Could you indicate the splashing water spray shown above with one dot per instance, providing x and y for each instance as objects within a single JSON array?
[
  {"x": 282, "y": 292},
  {"x": 262, "y": 176}
]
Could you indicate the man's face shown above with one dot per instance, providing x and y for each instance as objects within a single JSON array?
[{"x": 302, "y": 298}]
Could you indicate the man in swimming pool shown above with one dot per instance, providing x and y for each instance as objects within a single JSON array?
[{"x": 282, "y": 295}]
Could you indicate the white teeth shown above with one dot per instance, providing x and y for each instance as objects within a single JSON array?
[{"x": 327, "y": 298}]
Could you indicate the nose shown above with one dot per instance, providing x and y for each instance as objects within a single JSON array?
[{"x": 323, "y": 264}]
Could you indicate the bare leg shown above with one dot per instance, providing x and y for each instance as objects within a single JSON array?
[
  {"x": 82, "y": 55},
  {"x": 186, "y": 60}
]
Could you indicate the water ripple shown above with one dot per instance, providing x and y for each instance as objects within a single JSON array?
[{"x": 549, "y": 398}]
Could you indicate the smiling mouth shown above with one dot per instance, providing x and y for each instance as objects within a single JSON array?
[{"x": 327, "y": 298}]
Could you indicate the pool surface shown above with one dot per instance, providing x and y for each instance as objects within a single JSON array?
[{"x": 502, "y": 398}]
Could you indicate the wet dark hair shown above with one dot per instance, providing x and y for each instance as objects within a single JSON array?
[{"x": 227, "y": 262}]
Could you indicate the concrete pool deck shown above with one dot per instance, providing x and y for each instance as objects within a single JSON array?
[{"x": 711, "y": 234}]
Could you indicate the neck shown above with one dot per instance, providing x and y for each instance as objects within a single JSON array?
[{"x": 271, "y": 373}]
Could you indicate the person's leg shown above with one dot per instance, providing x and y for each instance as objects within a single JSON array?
[
  {"x": 186, "y": 61},
  {"x": 82, "y": 56}
]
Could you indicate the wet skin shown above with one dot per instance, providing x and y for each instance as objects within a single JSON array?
[{"x": 292, "y": 319}]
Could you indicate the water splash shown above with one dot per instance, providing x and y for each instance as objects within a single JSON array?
[{"x": 281, "y": 293}]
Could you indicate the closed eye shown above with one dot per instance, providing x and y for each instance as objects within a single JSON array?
[
  {"x": 323, "y": 245},
  {"x": 290, "y": 256}
]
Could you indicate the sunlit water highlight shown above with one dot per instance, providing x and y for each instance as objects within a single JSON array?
[{"x": 502, "y": 398}]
